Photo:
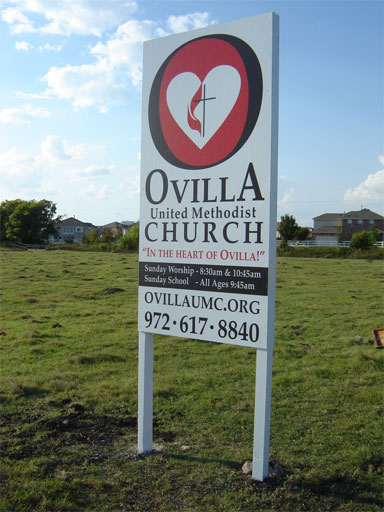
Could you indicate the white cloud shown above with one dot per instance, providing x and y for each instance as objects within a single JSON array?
[
  {"x": 371, "y": 189},
  {"x": 51, "y": 48},
  {"x": 103, "y": 83},
  {"x": 94, "y": 192},
  {"x": 85, "y": 86},
  {"x": 134, "y": 188},
  {"x": 67, "y": 17},
  {"x": 98, "y": 170},
  {"x": 131, "y": 186},
  {"x": 18, "y": 21},
  {"x": 48, "y": 187},
  {"x": 88, "y": 176},
  {"x": 54, "y": 153},
  {"x": 13, "y": 15},
  {"x": 54, "y": 148},
  {"x": 52, "y": 171},
  {"x": 79, "y": 151},
  {"x": 188, "y": 21},
  {"x": 123, "y": 50},
  {"x": 287, "y": 197},
  {"x": 15, "y": 164},
  {"x": 23, "y": 176},
  {"x": 33, "y": 96},
  {"x": 23, "y": 45},
  {"x": 22, "y": 115},
  {"x": 117, "y": 65},
  {"x": 104, "y": 192}
]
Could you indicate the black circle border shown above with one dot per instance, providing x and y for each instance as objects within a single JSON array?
[{"x": 255, "y": 95}]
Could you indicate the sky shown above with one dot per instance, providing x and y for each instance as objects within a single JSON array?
[{"x": 70, "y": 101}]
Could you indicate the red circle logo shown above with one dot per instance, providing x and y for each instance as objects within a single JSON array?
[{"x": 205, "y": 101}]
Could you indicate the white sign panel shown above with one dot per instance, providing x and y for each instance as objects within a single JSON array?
[{"x": 208, "y": 184}]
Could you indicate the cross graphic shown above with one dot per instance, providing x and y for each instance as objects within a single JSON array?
[{"x": 203, "y": 99}]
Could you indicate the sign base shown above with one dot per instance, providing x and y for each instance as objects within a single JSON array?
[{"x": 260, "y": 465}]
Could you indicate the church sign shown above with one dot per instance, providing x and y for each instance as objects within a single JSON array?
[{"x": 208, "y": 184}]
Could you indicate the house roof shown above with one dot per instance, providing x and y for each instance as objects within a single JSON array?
[
  {"x": 74, "y": 222},
  {"x": 329, "y": 216},
  {"x": 359, "y": 214},
  {"x": 364, "y": 214},
  {"x": 118, "y": 225}
]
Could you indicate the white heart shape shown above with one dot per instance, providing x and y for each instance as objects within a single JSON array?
[{"x": 201, "y": 117}]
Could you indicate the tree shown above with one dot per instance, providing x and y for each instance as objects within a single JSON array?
[
  {"x": 6, "y": 209},
  {"x": 133, "y": 236},
  {"x": 287, "y": 227},
  {"x": 362, "y": 240},
  {"x": 375, "y": 233},
  {"x": 28, "y": 221},
  {"x": 302, "y": 233},
  {"x": 108, "y": 235},
  {"x": 93, "y": 236},
  {"x": 131, "y": 239}
]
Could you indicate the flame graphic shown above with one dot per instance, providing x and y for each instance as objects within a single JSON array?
[{"x": 193, "y": 121}]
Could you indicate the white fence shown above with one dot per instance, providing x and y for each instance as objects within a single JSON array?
[{"x": 324, "y": 243}]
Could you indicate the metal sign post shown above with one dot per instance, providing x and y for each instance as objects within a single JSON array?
[
  {"x": 145, "y": 398},
  {"x": 208, "y": 201}
]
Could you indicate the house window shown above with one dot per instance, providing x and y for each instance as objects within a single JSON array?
[
  {"x": 360, "y": 222},
  {"x": 349, "y": 222},
  {"x": 371, "y": 222},
  {"x": 79, "y": 230}
]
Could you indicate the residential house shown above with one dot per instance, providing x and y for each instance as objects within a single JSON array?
[
  {"x": 327, "y": 228},
  {"x": 335, "y": 227},
  {"x": 118, "y": 227},
  {"x": 362, "y": 220},
  {"x": 72, "y": 230}
]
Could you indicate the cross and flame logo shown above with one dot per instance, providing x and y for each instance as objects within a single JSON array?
[{"x": 205, "y": 101}]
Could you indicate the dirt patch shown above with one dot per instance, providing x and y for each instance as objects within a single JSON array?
[
  {"x": 111, "y": 291},
  {"x": 95, "y": 358},
  {"x": 68, "y": 430},
  {"x": 88, "y": 428}
]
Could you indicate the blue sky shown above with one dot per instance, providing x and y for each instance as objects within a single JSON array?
[{"x": 70, "y": 100}]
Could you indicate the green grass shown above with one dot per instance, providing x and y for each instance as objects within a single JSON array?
[{"x": 68, "y": 391}]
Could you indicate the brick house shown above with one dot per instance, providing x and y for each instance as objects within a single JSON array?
[
  {"x": 335, "y": 227},
  {"x": 362, "y": 220}
]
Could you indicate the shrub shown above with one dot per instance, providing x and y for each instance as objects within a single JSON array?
[
  {"x": 131, "y": 239},
  {"x": 372, "y": 253},
  {"x": 93, "y": 237},
  {"x": 362, "y": 240}
]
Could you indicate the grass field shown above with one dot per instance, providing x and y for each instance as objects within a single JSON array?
[{"x": 68, "y": 394}]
